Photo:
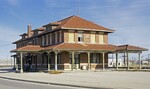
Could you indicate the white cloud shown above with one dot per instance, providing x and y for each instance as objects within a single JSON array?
[
  {"x": 8, "y": 35},
  {"x": 130, "y": 19}
]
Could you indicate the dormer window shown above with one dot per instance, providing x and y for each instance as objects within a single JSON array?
[{"x": 80, "y": 37}]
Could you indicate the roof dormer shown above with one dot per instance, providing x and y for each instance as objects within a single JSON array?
[{"x": 52, "y": 26}]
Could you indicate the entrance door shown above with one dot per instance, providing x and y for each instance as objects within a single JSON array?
[{"x": 77, "y": 61}]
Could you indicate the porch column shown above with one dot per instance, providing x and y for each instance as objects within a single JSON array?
[
  {"x": 139, "y": 61},
  {"x": 48, "y": 62},
  {"x": 21, "y": 64},
  {"x": 16, "y": 66},
  {"x": 89, "y": 67},
  {"x": 116, "y": 61},
  {"x": 124, "y": 59},
  {"x": 127, "y": 61},
  {"x": 103, "y": 61},
  {"x": 14, "y": 62},
  {"x": 56, "y": 60},
  {"x": 72, "y": 65}
]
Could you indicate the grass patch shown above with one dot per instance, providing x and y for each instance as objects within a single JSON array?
[{"x": 54, "y": 72}]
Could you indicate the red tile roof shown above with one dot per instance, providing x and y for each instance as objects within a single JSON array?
[
  {"x": 80, "y": 47},
  {"x": 28, "y": 48},
  {"x": 75, "y": 22},
  {"x": 130, "y": 48}
]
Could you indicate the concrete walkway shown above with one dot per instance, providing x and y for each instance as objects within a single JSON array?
[{"x": 87, "y": 79}]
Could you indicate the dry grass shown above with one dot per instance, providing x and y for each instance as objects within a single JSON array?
[{"x": 54, "y": 72}]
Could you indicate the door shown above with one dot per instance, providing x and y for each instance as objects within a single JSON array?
[{"x": 77, "y": 61}]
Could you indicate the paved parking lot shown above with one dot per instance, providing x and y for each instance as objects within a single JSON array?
[{"x": 106, "y": 79}]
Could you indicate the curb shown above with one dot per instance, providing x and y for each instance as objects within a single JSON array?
[{"x": 59, "y": 84}]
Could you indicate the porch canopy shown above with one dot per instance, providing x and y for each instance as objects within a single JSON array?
[
  {"x": 69, "y": 47},
  {"x": 77, "y": 47},
  {"x": 126, "y": 49},
  {"x": 130, "y": 48},
  {"x": 28, "y": 48}
]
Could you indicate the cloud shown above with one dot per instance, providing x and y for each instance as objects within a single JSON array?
[
  {"x": 8, "y": 35},
  {"x": 130, "y": 19}
]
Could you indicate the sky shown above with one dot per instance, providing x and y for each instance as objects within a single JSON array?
[{"x": 129, "y": 18}]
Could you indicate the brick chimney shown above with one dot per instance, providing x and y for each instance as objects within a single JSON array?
[{"x": 29, "y": 30}]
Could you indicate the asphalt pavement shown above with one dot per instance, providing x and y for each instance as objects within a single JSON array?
[{"x": 12, "y": 84}]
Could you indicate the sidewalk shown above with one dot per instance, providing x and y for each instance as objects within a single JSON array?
[{"x": 87, "y": 79}]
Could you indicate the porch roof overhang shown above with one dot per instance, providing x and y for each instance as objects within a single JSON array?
[
  {"x": 130, "y": 49},
  {"x": 82, "y": 47},
  {"x": 28, "y": 48}
]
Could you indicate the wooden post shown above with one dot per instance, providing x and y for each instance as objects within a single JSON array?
[
  {"x": 72, "y": 66},
  {"x": 48, "y": 62},
  {"x": 116, "y": 61},
  {"x": 21, "y": 64},
  {"x": 139, "y": 61},
  {"x": 89, "y": 67},
  {"x": 103, "y": 61},
  {"x": 56, "y": 60},
  {"x": 127, "y": 61},
  {"x": 16, "y": 66},
  {"x": 14, "y": 62}
]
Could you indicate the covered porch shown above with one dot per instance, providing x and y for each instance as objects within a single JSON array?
[
  {"x": 69, "y": 56},
  {"x": 65, "y": 56}
]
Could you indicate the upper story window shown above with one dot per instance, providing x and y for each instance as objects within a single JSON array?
[
  {"x": 43, "y": 41},
  {"x": 36, "y": 41},
  {"x": 80, "y": 37},
  {"x": 101, "y": 38},
  {"x": 60, "y": 36},
  {"x": 50, "y": 39},
  {"x": 46, "y": 39},
  {"x": 71, "y": 36},
  {"x": 93, "y": 40},
  {"x": 56, "y": 39}
]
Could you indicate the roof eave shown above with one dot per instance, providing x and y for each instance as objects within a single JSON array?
[{"x": 109, "y": 31}]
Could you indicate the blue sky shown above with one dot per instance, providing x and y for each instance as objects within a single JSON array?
[{"x": 129, "y": 18}]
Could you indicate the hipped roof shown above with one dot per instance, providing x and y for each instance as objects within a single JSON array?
[
  {"x": 76, "y": 22},
  {"x": 130, "y": 48}
]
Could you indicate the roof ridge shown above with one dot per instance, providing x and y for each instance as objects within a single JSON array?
[
  {"x": 65, "y": 18},
  {"x": 71, "y": 17}
]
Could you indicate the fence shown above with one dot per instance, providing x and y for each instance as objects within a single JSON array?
[{"x": 6, "y": 62}]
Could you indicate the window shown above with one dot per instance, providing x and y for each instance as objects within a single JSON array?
[
  {"x": 92, "y": 37},
  {"x": 56, "y": 38},
  {"x": 43, "y": 41},
  {"x": 95, "y": 57},
  {"x": 46, "y": 39},
  {"x": 70, "y": 57},
  {"x": 59, "y": 59},
  {"x": 36, "y": 41},
  {"x": 80, "y": 37},
  {"x": 50, "y": 39},
  {"x": 101, "y": 38},
  {"x": 60, "y": 38},
  {"x": 71, "y": 37},
  {"x": 76, "y": 58}
]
